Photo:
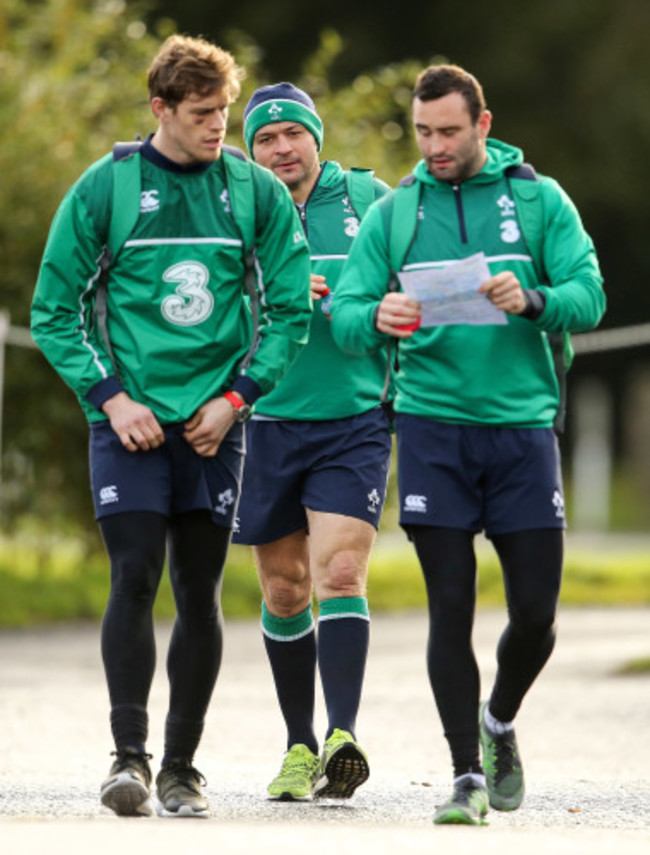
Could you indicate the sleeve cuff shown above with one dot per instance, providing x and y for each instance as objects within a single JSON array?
[
  {"x": 102, "y": 391},
  {"x": 535, "y": 304},
  {"x": 247, "y": 388},
  {"x": 374, "y": 317}
]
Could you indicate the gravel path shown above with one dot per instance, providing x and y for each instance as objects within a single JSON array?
[{"x": 584, "y": 733}]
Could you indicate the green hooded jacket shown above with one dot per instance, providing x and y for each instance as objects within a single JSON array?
[{"x": 461, "y": 373}]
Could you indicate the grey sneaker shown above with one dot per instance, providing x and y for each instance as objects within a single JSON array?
[
  {"x": 344, "y": 767},
  {"x": 126, "y": 790},
  {"x": 468, "y": 804},
  {"x": 503, "y": 770},
  {"x": 178, "y": 786}
]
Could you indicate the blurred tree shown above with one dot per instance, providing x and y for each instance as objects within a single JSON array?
[{"x": 72, "y": 79}]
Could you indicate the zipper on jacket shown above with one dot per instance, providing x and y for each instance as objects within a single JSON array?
[
  {"x": 302, "y": 213},
  {"x": 302, "y": 209},
  {"x": 461, "y": 214}
]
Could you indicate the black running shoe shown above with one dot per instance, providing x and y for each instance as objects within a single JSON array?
[
  {"x": 126, "y": 790},
  {"x": 178, "y": 786}
]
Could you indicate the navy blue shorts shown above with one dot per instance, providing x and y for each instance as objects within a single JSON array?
[
  {"x": 339, "y": 466},
  {"x": 171, "y": 479},
  {"x": 477, "y": 477}
]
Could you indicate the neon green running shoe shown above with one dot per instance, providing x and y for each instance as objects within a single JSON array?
[
  {"x": 468, "y": 804},
  {"x": 503, "y": 770},
  {"x": 344, "y": 767},
  {"x": 295, "y": 781}
]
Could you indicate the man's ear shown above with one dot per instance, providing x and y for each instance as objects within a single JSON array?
[
  {"x": 485, "y": 123},
  {"x": 158, "y": 107}
]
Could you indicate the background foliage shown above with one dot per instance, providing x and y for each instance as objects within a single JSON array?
[
  {"x": 568, "y": 82},
  {"x": 48, "y": 578}
]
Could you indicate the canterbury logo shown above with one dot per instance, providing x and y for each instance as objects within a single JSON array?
[
  {"x": 108, "y": 495},
  {"x": 415, "y": 504},
  {"x": 149, "y": 201}
]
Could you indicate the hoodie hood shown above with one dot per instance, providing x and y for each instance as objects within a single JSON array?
[{"x": 500, "y": 156}]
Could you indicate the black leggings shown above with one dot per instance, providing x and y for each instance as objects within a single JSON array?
[
  {"x": 136, "y": 544},
  {"x": 532, "y": 570}
]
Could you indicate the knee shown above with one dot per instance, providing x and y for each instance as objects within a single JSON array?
[
  {"x": 135, "y": 576},
  {"x": 343, "y": 576},
  {"x": 199, "y": 601},
  {"x": 533, "y": 627},
  {"x": 286, "y": 596}
]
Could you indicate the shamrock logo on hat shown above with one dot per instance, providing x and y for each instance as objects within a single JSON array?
[{"x": 274, "y": 112}]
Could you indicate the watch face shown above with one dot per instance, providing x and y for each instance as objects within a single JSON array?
[{"x": 243, "y": 413}]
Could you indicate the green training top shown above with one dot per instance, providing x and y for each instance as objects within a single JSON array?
[
  {"x": 493, "y": 374},
  {"x": 178, "y": 320},
  {"x": 325, "y": 383}
]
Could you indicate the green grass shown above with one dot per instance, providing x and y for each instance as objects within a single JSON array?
[
  {"x": 48, "y": 579},
  {"x": 57, "y": 580},
  {"x": 635, "y": 667},
  {"x": 591, "y": 577}
]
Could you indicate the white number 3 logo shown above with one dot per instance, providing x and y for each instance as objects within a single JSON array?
[
  {"x": 191, "y": 303},
  {"x": 509, "y": 231}
]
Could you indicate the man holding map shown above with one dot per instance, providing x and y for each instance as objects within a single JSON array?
[{"x": 475, "y": 264}]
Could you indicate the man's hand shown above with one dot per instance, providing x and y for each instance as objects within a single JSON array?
[
  {"x": 396, "y": 314},
  {"x": 504, "y": 291},
  {"x": 208, "y": 426},
  {"x": 318, "y": 287},
  {"x": 134, "y": 423}
]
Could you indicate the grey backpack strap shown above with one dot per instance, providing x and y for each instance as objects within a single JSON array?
[
  {"x": 241, "y": 190},
  {"x": 124, "y": 210},
  {"x": 361, "y": 189},
  {"x": 524, "y": 184}
]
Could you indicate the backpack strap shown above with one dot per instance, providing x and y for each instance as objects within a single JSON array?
[
  {"x": 239, "y": 177},
  {"x": 124, "y": 212},
  {"x": 125, "y": 207},
  {"x": 361, "y": 189},
  {"x": 403, "y": 221},
  {"x": 241, "y": 190},
  {"x": 525, "y": 186},
  {"x": 401, "y": 233}
]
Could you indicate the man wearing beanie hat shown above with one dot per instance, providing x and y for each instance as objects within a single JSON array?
[
  {"x": 316, "y": 470},
  {"x": 282, "y": 102}
]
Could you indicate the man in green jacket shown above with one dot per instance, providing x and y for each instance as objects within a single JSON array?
[
  {"x": 316, "y": 470},
  {"x": 476, "y": 398},
  {"x": 165, "y": 385}
]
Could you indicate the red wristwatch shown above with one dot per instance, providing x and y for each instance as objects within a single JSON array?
[{"x": 242, "y": 409}]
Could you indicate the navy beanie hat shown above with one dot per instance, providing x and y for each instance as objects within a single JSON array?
[{"x": 281, "y": 102}]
